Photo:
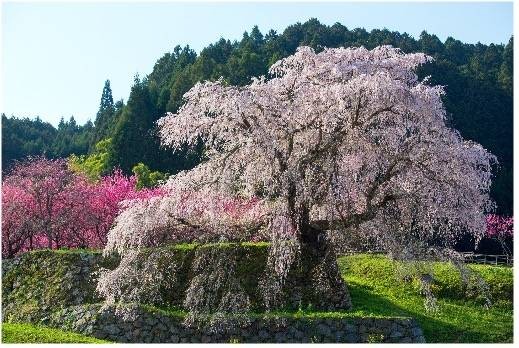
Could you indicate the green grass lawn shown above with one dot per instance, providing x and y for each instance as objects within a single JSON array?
[
  {"x": 375, "y": 290},
  {"x": 28, "y": 333}
]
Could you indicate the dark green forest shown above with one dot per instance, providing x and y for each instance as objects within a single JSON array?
[{"x": 478, "y": 80}]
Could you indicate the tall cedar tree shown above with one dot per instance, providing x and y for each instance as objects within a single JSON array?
[
  {"x": 104, "y": 122},
  {"x": 133, "y": 141}
]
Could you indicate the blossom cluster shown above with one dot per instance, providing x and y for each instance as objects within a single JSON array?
[
  {"x": 499, "y": 226},
  {"x": 182, "y": 215}
]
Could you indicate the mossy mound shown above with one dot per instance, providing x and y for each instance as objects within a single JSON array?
[{"x": 41, "y": 282}]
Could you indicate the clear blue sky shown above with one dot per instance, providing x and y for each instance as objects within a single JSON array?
[{"x": 56, "y": 57}]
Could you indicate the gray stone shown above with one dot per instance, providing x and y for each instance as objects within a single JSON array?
[
  {"x": 150, "y": 321},
  {"x": 350, "y": 328},
  {"x": 114, "y": 338},
  {"x": 263, "y": 334},
  {"x": 351, "y": 338},
  {"x": 112, "y": 329},
  {"x": 88, "y": 329},
  {"x": 323, "y": 329},
  {"x": 384, "y": 323},
  {"x": 81, "y": 322},
  {"x": 396, "y": 334},
  {"x": 280, "y": 337},
  {"x": 419, "y": 339},
  {"x": 416, "y": 331},
  {"x": 174, "y": 339},
  {"x": 298, "y": 334}
]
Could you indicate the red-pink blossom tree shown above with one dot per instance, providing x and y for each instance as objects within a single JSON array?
[
  {"x": 45, "y": 205},
  {"x": 500, "y": 228},
  {"x": 104, "y": 203},
  {"x": 47, "y": 184},
  {"x": 16, "y": 223}
]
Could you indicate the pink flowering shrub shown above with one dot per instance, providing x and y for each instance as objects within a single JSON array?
[
  {"x": 500, "y": 228},
  {"x": 45, "y": 205}
]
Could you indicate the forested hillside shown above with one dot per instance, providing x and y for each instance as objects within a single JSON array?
[{"x": 478, "y": 80}]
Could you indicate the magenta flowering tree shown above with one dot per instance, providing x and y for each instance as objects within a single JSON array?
[
  {"x": 45, "y": 205},
  {"x": 500, "y": 228},
  {"x": 46, "y": 184},
  {"x": 104, "y": 202},
  {"x": 17, "y": 207},
  {"x": 347, "y": 140}
]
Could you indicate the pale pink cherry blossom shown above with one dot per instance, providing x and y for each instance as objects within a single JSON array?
[{"x": 347, "y": 139}]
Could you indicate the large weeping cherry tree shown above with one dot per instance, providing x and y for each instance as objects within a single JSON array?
[{"x": 346, "y": 140}]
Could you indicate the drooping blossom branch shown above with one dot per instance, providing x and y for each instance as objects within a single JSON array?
[{"x": 186, "y": 216}]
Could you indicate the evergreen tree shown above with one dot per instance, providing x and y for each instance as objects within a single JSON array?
[
  {"x": 506, "y": 71},
  {"x": 133, "y": 140},
  {"x": 104, "y": 122}
]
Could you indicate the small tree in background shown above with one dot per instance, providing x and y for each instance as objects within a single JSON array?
[
  {"x": 500, "y": 228},
  {"x": 95, "y": 165},
  {"x": 105, "y": 118},
  {"x": 146, "y": 178}
]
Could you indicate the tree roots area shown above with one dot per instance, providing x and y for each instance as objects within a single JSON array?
[{"x": 233, "y": 293}]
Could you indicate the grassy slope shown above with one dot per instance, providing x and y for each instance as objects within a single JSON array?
[
  {"x": 375, "y": 291},
  {"x": 28, "y": 333}
]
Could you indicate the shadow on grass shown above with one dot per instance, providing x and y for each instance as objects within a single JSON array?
[{"x": 436, "y": 328}]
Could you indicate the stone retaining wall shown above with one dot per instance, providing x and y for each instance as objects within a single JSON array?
[{"x": 135, "y": 323}]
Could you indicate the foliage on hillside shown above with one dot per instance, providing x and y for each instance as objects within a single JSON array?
[{"x": 478, "y": 80}]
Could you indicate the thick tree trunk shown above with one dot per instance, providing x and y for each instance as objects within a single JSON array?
[{"x": 320, "y": 281}]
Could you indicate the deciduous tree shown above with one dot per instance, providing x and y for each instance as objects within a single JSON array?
[{"x": 346, "y": 139}]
